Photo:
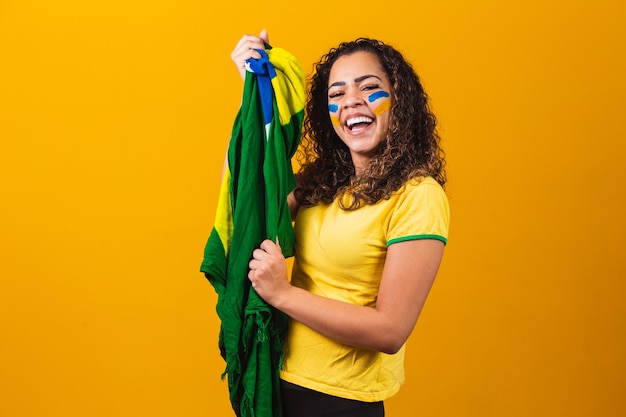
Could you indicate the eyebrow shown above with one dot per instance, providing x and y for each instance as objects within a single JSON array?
[{"x": 356, "y": 80}]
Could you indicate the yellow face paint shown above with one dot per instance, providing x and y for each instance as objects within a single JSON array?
[
  {"x": 333, "y": 109},
  {"x": 384, "y": 103}
]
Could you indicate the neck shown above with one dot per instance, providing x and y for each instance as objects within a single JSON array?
[{"x": 360, "y": 164}]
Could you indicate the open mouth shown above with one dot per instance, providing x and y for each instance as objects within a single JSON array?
[{"x": 358, "y": 123}]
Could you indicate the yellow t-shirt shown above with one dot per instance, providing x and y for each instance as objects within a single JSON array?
[{"x": 340, "y": 254}]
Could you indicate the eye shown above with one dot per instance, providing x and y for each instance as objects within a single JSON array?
[
  {"x": 335, "y": 94},
  {"x": 370, "y": 87}
]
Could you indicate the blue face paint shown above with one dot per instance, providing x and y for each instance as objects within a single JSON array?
[
  {"x": 333, "y": 109},
  {"x": 378, "y": 94}
]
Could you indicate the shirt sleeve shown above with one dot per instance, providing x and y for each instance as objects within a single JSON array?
[{"x": 422, "y": 212}]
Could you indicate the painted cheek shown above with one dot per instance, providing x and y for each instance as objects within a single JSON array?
[
  {"x": 381, "y": 102},
  {"x": 332, "y": 110}
]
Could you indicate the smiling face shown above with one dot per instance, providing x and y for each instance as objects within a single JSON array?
[{"x": 359, "y": 100}]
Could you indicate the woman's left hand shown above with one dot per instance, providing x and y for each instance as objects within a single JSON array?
[{"x": 268, "y": 272}]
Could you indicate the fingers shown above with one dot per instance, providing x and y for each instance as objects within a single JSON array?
[
  {"x": 260, "y": 254},
  {"x": 259, "y": 257},
  {"x": 246, "y": 49},
  {"x": 271, "y": 248},
  {"x": 251, "y": 277},
  {"x": 268, "y": 271},
  {"x": 263, "y": 35},
  {"x": 247, "y": 45},
  {"x": 264, "y": 254},
  {"x": 266, "y": 251}
]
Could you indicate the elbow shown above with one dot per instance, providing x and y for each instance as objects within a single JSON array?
[
  {"x": 393, "y": 334},
  {"x": 392, "y": 344},
  {"x": 391, "y": 348}
]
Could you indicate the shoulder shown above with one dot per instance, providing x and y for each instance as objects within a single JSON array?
[
  {"x": 423, "y": 189},
  {"x": 423, "y": 183},
  {"x": 420, "y": 210}
]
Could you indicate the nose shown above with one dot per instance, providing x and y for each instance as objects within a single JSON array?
[{"x": 352, "y": 98}]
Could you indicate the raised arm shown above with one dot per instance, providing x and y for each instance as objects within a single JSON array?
[{"x": 244, "y": 50}]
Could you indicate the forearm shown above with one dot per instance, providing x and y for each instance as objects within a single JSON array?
[
  {"x": 361, "y": 326},
  {"x": 409, "y": 272}
]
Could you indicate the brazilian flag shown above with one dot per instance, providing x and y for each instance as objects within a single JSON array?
[{"x": 252, "y": 206}]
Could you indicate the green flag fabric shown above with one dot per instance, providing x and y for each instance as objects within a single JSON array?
[{"x": 252, "y": 206}]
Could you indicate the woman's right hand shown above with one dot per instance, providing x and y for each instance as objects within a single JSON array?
[{"x": 246, "y": 49}]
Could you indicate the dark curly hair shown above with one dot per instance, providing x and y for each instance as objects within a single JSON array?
[{"x": 410, "y": 150}]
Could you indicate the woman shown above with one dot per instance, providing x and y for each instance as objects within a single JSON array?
[{"x": 371, "y": 221}]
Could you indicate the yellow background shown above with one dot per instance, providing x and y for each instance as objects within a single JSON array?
[{"x": 114, "y": 118}]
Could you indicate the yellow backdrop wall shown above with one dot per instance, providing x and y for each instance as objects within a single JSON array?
[{"x": 114, "y": 118}]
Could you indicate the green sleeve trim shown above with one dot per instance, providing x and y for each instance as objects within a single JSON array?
[{"x": 417, "y": 237}]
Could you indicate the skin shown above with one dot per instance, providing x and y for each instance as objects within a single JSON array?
[
  {"x": 245, "y": 49},
  {"x": 354, "y": 79},
  {"x": 410, "y": 267}
]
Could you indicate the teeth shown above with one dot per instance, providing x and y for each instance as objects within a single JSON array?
[{"x": 362, "y": 119}]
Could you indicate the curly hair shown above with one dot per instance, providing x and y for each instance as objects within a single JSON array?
[{"x": 411, "y": 149}]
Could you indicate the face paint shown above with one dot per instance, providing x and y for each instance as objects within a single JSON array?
[
  {"x": 333, "y": 109},
  {"x": 383, "y": 105}
]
